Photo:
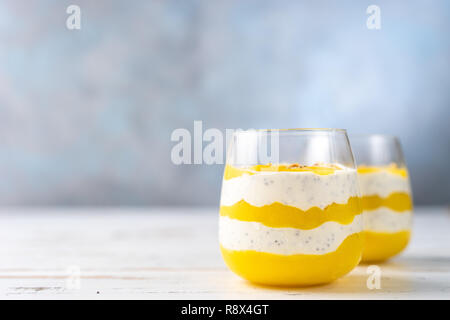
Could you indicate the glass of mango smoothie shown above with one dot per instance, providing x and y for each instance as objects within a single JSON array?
[
  {"x": 293, "y": 219},
  {"x": 386, "y": 195}
]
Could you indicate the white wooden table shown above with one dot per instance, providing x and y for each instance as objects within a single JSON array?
[{"x": 174, "y": 254}]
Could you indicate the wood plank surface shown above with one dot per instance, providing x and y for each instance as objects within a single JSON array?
[{"x": 166, "y": 253}]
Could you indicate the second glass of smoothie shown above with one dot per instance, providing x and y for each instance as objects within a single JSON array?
[{"x": 386, "y": 195}]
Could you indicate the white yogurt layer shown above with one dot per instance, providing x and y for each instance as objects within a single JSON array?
[
  {"x": 387, "y": 220},
  {"x": 242, "y": 235},
  {"x": 298, "y": 189},
  {"x": 382, "y": 184}
]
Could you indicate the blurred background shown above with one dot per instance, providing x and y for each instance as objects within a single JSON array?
[{"x": 86, "y": 115}]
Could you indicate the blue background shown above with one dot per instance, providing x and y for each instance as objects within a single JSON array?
[{"x": 86, "y": 115}]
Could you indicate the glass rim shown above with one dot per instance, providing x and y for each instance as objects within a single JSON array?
[
  {"x": 372, "y": 135},
  {"x": 294, "y": 130}
]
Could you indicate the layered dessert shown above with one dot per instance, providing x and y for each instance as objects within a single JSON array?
[
  {"x": 290, "y": 224},
  {"x": 387, "y": 204}
]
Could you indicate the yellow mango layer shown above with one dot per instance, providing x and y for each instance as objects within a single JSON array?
[
  {"x": 277, "y": 215},
  {"x": 397, "y": 201},
  {"x": 392, "y": 168},
  {"x": 295, "y": 270},
  {"x": 233, "y": 172},
  {"x": 379, "y": 246}
]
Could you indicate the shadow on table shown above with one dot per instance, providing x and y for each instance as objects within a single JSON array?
[
  {"x": 399, "y": 277},
  {"x": 356, "y": 285},
  {"x": 420, "y": 263}
]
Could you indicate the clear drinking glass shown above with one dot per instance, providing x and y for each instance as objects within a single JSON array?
[
  {"x": 386, "y": 195},
  {"x": 290, "y": 211}
]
